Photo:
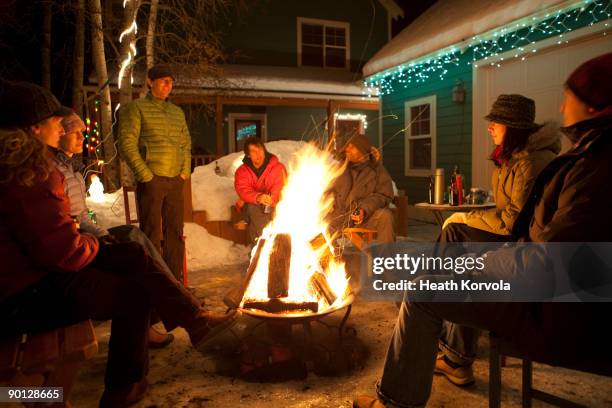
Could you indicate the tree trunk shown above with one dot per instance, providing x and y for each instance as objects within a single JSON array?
[
  {"x": 46, "y": 46},
  {"x": 150, "y": 45},
  {"x": 150, "y": 42},
  {"x": 128, "y": 41},
  {"x": 111, "y": 172},
  {"x": 79, "y": 58}
]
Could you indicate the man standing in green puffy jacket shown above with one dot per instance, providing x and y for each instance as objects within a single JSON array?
[{"x": 155, "y": 143}]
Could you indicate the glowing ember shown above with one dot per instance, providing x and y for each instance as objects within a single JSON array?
[
  {"x": 301, "y": 214},
  {"x": 96, "y": 189}
]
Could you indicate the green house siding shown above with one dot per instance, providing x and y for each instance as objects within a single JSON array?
[
  {"x": 267, "y": 33},
  {"x": 454, "y": 121},
  {"x": 286, "y": 123},
  {"x": 454, "y": 130},
  {"x": 283, "y": 123}
]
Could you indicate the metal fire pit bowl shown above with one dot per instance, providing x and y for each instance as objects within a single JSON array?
[{"x": 300, "y": 317}]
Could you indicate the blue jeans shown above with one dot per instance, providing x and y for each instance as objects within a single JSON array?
[
  {"x": 459, "y": 343},
  {"x": 410, "y": 361},
  {"x": 409, "y": 366}
]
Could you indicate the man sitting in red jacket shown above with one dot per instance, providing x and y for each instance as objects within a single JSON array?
[{"x": 258, "y": 183}]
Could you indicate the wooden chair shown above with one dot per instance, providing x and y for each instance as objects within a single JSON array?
[
  {"x": 500, "y": 348},
  {"x": 47, "y": 359},
  {"x": 359, "y": 236}
]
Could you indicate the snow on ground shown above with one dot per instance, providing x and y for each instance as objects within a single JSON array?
[
  {"x": 215, "y": 194},
  {"x": 203, "y": 249},
  {"x": 111, "y": 211},
  {"x": 206, "y": 251}
]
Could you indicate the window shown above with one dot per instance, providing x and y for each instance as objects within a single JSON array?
[
  {"x": 347, "y": 126},
  {"x": 244, "y": 125},
  {"x": 323, "y": 43},
  {"x": 420, "y": 136}
]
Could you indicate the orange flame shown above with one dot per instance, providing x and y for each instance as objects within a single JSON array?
[{"x": 301, "y": 213}]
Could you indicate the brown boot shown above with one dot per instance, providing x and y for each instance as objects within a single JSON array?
[
  {"x": 125, "y": 396},
  {"x": 159, "y": 340},
  {"x": 208, "y": 325},
  {"x": 457, "y": 374}
]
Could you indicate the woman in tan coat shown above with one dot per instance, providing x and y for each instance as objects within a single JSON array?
[{"x": 523, "y": 149}]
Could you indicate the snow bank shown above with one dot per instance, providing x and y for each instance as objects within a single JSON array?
[
  {"x": 206, "y": 251},
  {"x": 111, "y": 212},
  {"x": 215, "y": 194},
  {"x": 203, "y": 249}
]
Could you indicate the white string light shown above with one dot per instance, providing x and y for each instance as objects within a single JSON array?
[
  {"x": 486, "y": 48},
  {"x": 131, "y": 54}
]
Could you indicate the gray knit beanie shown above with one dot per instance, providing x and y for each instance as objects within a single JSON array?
[{"x": 516, "y": 111}]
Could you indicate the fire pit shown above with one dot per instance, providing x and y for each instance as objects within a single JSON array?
[{"x": 296, "y": 277}]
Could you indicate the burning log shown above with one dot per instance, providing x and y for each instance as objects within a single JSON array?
[
  {"x": 279, "y": 306},
  {"x": 321, "y": 286},
  {"x": 233, "y": 298},
  {"x": 278, "y": 269}
]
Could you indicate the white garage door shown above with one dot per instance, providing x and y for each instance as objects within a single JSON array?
[{"x": 540, "y": 77}]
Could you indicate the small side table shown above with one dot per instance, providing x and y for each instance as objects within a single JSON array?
[{"x": 437, "y": 209}]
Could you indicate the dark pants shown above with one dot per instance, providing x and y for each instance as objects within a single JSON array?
[
  {"x": 160, "y": 208},
  {"x": 257, "y": 219},
  {"x": 123, "y": 284},
  {"x": 409, "y": 365},
  {"x": 458, "y": 342}
]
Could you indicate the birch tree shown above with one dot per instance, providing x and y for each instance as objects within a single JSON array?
[{"x": 111, "y": 172}]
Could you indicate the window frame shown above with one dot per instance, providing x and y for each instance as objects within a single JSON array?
[
  {"x": 232, "y": 117},
  {"x": 433, "y": 130},
  {"x": 325, "y": 23}
]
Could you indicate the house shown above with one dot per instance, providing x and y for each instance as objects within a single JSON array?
[
  {"x": 440, "y": 75},
  {"x": 296, "y": 67}
]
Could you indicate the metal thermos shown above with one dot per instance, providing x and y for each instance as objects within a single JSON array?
[{"x": 439, "y": 186}]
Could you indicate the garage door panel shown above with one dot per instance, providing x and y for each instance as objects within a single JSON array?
[
  {"x": 541, "y": 77},
  {"x": 542, "y": 71}
]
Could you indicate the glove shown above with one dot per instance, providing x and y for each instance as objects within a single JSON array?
[
  {"x": 264, "y": 199},
  {"x": 457, "y": 218}
]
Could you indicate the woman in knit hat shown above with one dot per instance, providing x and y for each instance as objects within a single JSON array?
[{"x": 522, "y": 149}]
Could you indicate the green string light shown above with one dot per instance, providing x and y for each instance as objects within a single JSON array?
[{"x": 485, "y": 49}]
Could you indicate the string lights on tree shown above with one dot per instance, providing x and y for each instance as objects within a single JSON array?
[
  {"x": 485, "y": 49},
  {"x": 92, "y": 133}
]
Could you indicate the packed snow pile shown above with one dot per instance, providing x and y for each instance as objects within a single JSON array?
[
  {"x": 215, "y": 194},
  {"x": 111, "y": 212},
  {"x": 203, "y": 249},
  {"x": 206, "y": 251}
]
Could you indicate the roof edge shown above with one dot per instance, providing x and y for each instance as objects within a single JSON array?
[
  {"x": 461, "y": 45},
  {"x": 392, "y": 8}
]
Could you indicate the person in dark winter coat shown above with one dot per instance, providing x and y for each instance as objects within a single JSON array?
[
  {"x": 363, "y": 192},
  {"x": 258, "y": 183},
  {"x": 53, "y": 275},
  {"x": 569, "y": 202}
]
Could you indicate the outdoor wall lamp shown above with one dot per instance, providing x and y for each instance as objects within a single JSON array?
[{"x": 459, "y": 92}]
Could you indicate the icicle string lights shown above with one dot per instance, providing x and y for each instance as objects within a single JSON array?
[{"x": 484, "y": 48}]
